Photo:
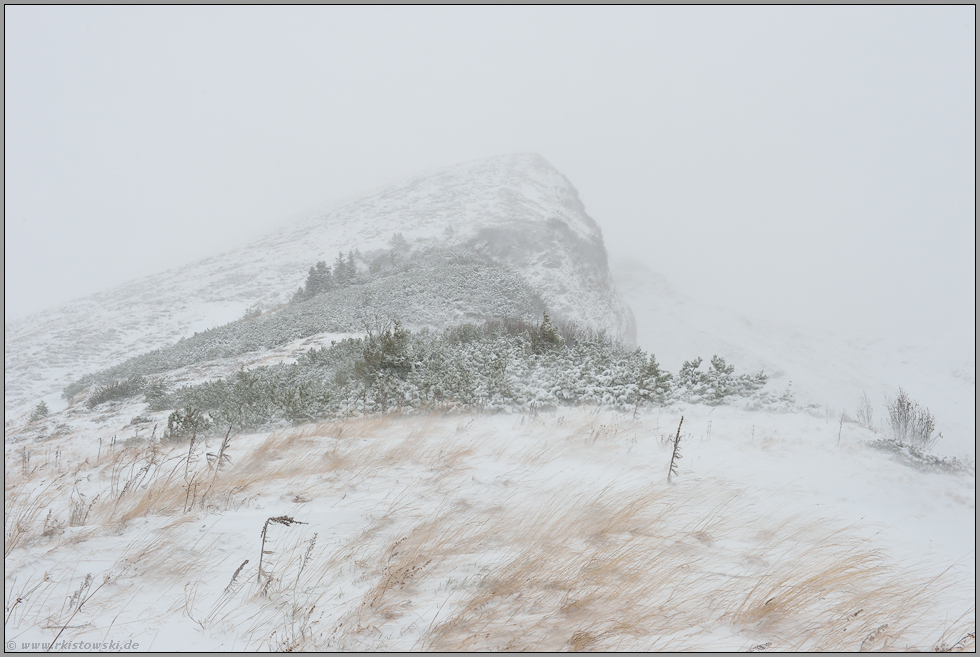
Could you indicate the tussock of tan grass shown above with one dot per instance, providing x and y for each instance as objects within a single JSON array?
[{"x": 619, "y": 577}]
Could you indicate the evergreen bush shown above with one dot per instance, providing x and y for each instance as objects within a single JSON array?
[
  {"x": 188, "y": 421},
  {"x": 117, "y": 390},
  {"x": 491, "y": 367}
]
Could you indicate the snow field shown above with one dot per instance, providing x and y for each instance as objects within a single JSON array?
[{"x": 555, "y": 531}]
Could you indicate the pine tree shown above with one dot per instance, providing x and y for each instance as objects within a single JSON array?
[
  {"x": 654, "y": 383},
  {"x": 40, "y": 411},
  {"x": 351, "y": 269},
  {"x": 318, "y": 281},
  {"x": 322, "y": 278},
  {"x": 720, "y": 380},
  {"x": 398, "y": 243},
  {"x": 399, "y": 247},
  {"x": 546, "y": 338},
  {"x": 340, "y": 271}
]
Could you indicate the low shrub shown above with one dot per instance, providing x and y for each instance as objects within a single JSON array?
[
  {"x": 910, "y": 423},
  {"x": 188, "y": 421},
  {"x": 494, "y": 366},
  {"x": 920, "y": 459},
  {"x": 117, "y": 390}
]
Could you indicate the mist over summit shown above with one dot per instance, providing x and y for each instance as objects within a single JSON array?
[{"x": 511, "y": 231}]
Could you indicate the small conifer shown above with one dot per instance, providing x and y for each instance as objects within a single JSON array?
[{"x": 40, "y": 411}]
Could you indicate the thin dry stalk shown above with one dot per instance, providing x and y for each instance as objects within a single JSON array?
[
  {"x": 219, "y": 459},
  {"x": 676, "y": 452},
  {"x": 279, "y": 520},
  {"x": 79, "y": 604}
]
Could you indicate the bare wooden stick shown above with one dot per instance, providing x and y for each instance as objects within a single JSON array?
[{"x": 676, "y": 454}]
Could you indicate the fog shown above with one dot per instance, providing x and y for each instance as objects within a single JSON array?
[{"x": 814, "y": 166}]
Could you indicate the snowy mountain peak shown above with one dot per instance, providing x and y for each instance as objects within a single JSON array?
[
  {"x": 459, "y": 201},
  {"x": 517, "y": 211}
]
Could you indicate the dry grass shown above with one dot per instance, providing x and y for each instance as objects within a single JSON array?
[
  {"x": 642, "y": 574},
  {"x": 475, "y": 562}
]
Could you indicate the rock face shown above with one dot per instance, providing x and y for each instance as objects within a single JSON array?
[{"x": 517, "y": 210}]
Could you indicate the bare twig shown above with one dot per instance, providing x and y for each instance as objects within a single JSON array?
[{"x": 676, "y": 453}]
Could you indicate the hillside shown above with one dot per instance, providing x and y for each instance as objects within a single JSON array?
[
  {"x": 433, "y": 289},
  {"x": 517, "y": 211},
  {"x": 562, "y": 527},
  {"x": 315, "y": 475}
]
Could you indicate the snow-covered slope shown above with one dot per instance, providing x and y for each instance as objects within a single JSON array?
[
  {"x": 557, "y": 531},
  {"x": 778, "y": 530},
  {"x": 516, "y": 209},
  {"x": 821, "y": 368}
]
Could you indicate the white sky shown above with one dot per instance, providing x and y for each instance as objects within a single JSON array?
[{"x": 812, "y": 165}]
